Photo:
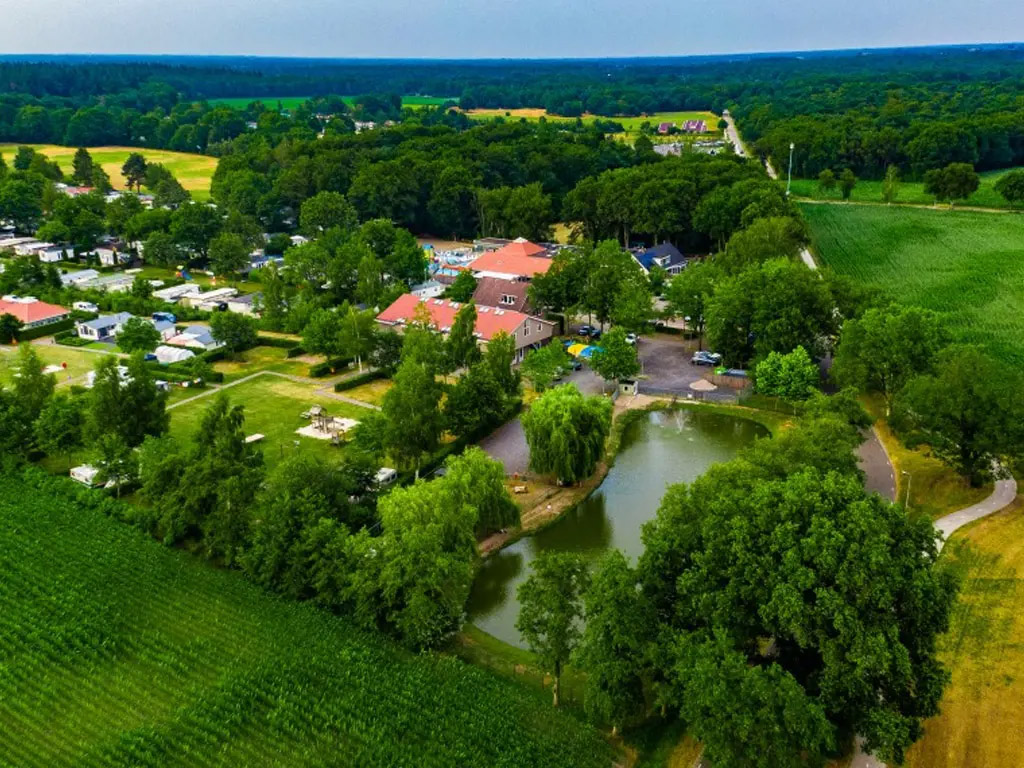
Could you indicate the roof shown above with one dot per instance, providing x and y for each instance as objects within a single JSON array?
[
  {"x": 490, "y": 291},
  {"x": 31, "y": 311},
  {"x": 646, "y": 258},
  {"x": 489, "y": 320},
  {"x": 520, "y": 257},
  {"x": 108, "y": 321},
  {"x": 248, "y": 298}
]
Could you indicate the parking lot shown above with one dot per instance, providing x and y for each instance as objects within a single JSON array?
[{"x": 667, "y": 368}]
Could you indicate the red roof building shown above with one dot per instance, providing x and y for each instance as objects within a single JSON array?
[
  {"x": 528, "y": 332},
  {"x": 31, "y": 312},
  {"x": 519, "y": 260}
]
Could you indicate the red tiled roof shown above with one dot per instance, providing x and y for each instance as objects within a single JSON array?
[
  {"x": 520, "y": 257},
  {"x": 442, "y": 314},
  {"x": 31, "y": 312}
]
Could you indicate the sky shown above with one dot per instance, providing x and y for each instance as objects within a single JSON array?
[{"x": 497, "y": 28}]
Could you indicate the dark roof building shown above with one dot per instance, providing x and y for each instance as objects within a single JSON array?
[
  {"x": 506, "y": 294},
  {"x": 666, "y": 256}
]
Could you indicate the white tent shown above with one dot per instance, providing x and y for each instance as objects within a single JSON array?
[{"x": 166, "y": 355}]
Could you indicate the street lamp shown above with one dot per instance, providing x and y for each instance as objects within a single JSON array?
[
  {"x": 789, "y": 177},
  {"x": 910, "y": 479}
]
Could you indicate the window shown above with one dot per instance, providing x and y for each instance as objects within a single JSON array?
[
  {"x": 526, "y": 329},
  {"x": 508, "y": 299}
]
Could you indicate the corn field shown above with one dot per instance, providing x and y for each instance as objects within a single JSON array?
[{"x": 115, "y": 651}]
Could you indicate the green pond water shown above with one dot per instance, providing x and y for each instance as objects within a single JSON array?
[{"x": 664, "y": 448}]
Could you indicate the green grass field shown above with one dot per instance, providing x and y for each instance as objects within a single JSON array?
[
  {"x": 118, "y": 651},
  {"x": 966, "y": 265},
  {"x": 293, "y": 102},
  {"x": 631, "y": 124},
  {"x": 79, "y": 362},
  {"x": 983, "y": 708},
  {"x": 195, "y": 172},
  {"x": 868, "y": 191}
]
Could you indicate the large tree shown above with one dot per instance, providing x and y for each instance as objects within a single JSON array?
[
  {"x": 616, "y": 359},
  {"x": 1011, "y": 187},
  {"x": 59, "y": 426},
  {"x": 228, "y": 255},
  {"x": 566, "y": 433},
  {"x": 475, "y": 478},
  {"x": 551, "y": 609},
  {"x": 461, "y": 348},
  {"x": 412, "y": 414},
  {"x": 138, "y": 333},
  {"x": 541, "y": 367},
  {"x": 957, "y": 181},
  {"x": 325, "y": 210},
  {"x": 688, "y": 295},
  {"x": 134, "y": 171},
  {"x": 125, "y": 403},
  {"x": 235, "y": 331}
]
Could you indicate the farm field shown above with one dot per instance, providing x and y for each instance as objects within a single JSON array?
[
  {"x": 868, "y": 191},
  {"x": 984, "y": 705},
  {"x": 120, "y": 651},
  {"x": 966, "y": 265},
  {"x": 631, "y": 124},
  {"x": 195, "y": 172},
  {"x": 273, "y": 407},
  {"x": 293, "y": 102}
]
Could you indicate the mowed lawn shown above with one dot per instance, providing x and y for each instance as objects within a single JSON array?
[
  {"x": 982, "y": 720},
  {"x": 195, "y": 172},
  {"x": 967, "y": 265},
  {"x": 79, "y": 362},
  {"x": 273, "y": 407},
  {"x": 869, "y": 191}
]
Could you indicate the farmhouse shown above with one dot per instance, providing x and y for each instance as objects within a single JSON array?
[
  {"x": 519, "y": 260},
  {"x": 666, "y": 256},
  {"x": 103, "y": 327},
  {"x": 695, "y": 126},
  {"x": 527, "y": 332},
  {"x": 664, "y": 128},
  {"x": 32, "y": 312}
]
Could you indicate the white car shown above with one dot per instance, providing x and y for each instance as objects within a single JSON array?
[
  {"x": 85, "y": 306},
  {"x": 631, "y": 338}
]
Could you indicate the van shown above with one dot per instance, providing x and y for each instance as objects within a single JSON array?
[
  {"x": 385, "y": 476},
  {"x": 85, "y": 306}
]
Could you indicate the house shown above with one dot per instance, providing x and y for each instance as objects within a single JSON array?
[
  {"x": 527, "y": 332},
  {"x": 209, "y": 301},
  {"x": 299, "y": 239},
  {"x": 245, "y": 305},
  {"x": 666, "y": 256},
  {"x": 103, "y": 327},
  {"x": 165, "y": 328},
  {"x": 671, "y": 148},
  {"x": 175, "y": 292},
  {"x": 10, "y": 242},
  {"x": 664, "y": 128},
  {"x": 195, "y": 337},
  {"x": 51, "y": 255},
  {"x": 519, "y": 260},
  {"x": 80, "y": 277},
  {"x": 110, "y": 283},
  {"x": 431, "y": 289},
  {"x": 32, "y": 247},
  {"x": 166, "y": 355},
  {"x": 108, "y": 256},
  {"x": 503, "y": 294},
  {"x": 695, "y": 126},
  {"x": 32, "y": 312}
]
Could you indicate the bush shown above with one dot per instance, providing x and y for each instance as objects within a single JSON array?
[
  {"x": 28, "y": 334},
  {"x": 275, "y": 341},
  {"x": 329, "y": 367},
  {"x": 71, "y": 340},
  {"x": 295, "y": 352},
  {"x": 357, "y": 381}
]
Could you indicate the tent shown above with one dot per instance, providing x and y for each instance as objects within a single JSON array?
[
  {"x": 586, "y": 351},
  {"x": 165, "y": 354}
]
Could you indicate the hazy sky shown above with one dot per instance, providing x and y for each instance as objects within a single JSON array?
[{"x": 496, "y": 28}]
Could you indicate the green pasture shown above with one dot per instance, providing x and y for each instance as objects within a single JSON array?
[
  {"x": 79, "y": 362},
  {"x": 294, "y": 102},
  {"x": 630, "y": 124}
]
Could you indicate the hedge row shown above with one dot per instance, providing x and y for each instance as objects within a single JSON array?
[
  {"x": 28, "y": 334},
  {"x": 275, "y": 341},
  {"x": 329, "y": 367},
  {"x": 357, "y": 381}
]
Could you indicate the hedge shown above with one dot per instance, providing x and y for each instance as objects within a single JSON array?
[
  {"x": 28, "y": 334},
  {"x": 320, "y": 370},
  {"x": 357, "y": 381},
  {"x": 276, "y": 341}
]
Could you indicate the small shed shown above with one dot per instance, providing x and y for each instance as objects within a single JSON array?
[{"x": 628, "y": 386}]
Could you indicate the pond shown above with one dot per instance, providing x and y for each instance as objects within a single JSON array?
[{"x": 663, "y": 448}]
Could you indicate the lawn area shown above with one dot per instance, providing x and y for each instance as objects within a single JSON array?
[
  {"x": 120, "y": 651},
  {"x": 983, "y": 708},
  {"x": 260, "y": 359},
  {"x": 79, "y": 362},
  {"x": 868, "y": 191},
  {"x": 273, "y": 407},
  {"x": 631, "y": 124},
  {"x": 372, "y": 392},
  {"x": 967, "y": 265},
  {"x": 195, "y": 172},
  {"x": 151, "y": 272},
  {"x": 293, "y": 102}
]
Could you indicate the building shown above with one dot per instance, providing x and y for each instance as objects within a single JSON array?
[
  {"x": 519, "y": 260},
  {"x": 504, "y": 294},
  {"x": 32, "y": 312},
  {"x": 78, "y": 278},
  {"x": 165, "y": 355},
  {"x": 175, "y": 292},
  {"x": 670, "y": 148},
  {"x": 32, "y": 247},
  {"x": 110, "y": 283},
  {"x": 104, "y": 327},
  {"x": 245, "y": 305},
  {"x": 695, "y": 126},
  {"x": 664, "y": 128},
  {"x": 666, "y": 256},
  {"x": 209, "y": 301},
  {"x": 431, "y": 289},
  {"x": 165, "y": 328},
  {"x": 195, "y": 337},
  {"x": 527, "y": 332}
]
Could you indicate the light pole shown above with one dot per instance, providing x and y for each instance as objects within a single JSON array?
[
  {"x": 910, "y": 479},
  {"x": 789, "y": 175}
]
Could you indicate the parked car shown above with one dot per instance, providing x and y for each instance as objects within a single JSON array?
[
  {"x": 631, "y": 338},
  {"x": 85, "y": 306},
  {"x": 576, "y": 365},
  {"x": 595, "y": 333},
  {"x": 703, "y": 357},
  {"x": 585, "y": 330},
  {"x": 165, "y": 317},
  {"x": 385, "y": 476}
]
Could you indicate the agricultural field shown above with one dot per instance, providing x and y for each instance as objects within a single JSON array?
[
  {"x": 868, "y": 191},
  {"x": 195, "y": 172},
  {"x": 967, "y": 265},
  {"x": 983, "y": 708},
  {"x": 119, "y": 651},
  {"x": 631, "y": 124},
  {"x": 294, "y": 102},
  {"x": 273, "y": 407}
]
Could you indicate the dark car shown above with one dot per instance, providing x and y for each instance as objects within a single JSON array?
[
  {"x": 577, "y": 365},
  {"x": 703, "y": 357},
  {"x": 585, "y": 330}
]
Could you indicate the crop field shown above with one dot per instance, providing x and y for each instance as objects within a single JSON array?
[
  {"x": 118, "y": 651},
  {"x": 868, "y": 191},
  {"x": 983, "y": 708},
  {"x": 293, "y": 102},
  {"x": 195, "y": 172},
  {"x": 966, "y": 265}
]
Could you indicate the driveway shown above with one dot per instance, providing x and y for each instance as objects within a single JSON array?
[{"x": 667, "y": 369}]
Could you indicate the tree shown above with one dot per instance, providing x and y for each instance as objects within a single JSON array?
[
  {"x": 22, "y": 203},
  {"x": 827, "y": 181},
  {"x": 542, "y": 366},
  {"x": 688, "y": 295},
  {"x": 1011, "y": 187},
  {"x": 475, "y": 478},
  {"x": 499, "y": 356},
  {"x": 566, "y": 433},
  {"x": 957, "y": 181},
  {"x": 356, "y": 333},
  {"x": 551, "y": 609},
  {"x": 792, "y": 376},
  {"x": 83, "y": 167},
  {"x": 200, "y": 370},
  {"x": 138, "y": 334},
  {"x": 616, "y": 359},
  {"x": 968, "y": 411},
  {"x": 236, "y": 332},
  {"x": 134, "y": 171},
  {"x": 632, "y": 308},
  {"x": 413, "y": 419},
  {"x": 322, "y": 333},
  {"x": 613, "y": 648},
  {"x": 325, "y": 210},
  {"x": 772, "y": 238},
  {"x": 228, "y": 254},
  {"x": 463, "y": 288},
  {"x": 193, "y": 226},
  {"x": 847, "y": 181},
  {"x": 58, "y": 429},
  {"x": 387, "y": 350},
  {"x": 114, "y": 459},
  {"x": 160, "y": 249},
  {"x": 474, "y": 402},
  {"x": 32, "y": 387},
  {"x": 461, "y": 348},
  {"x": 10, "y": 327},
  {"x": 891, "y": 185},
  {"x": 886, "y": 348},
  {"x": 124, "y": 401}
]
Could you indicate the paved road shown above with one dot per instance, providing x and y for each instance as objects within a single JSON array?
[
  {"x": 1004, "y": 493},
  {"x": 879, "y": 476}
]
